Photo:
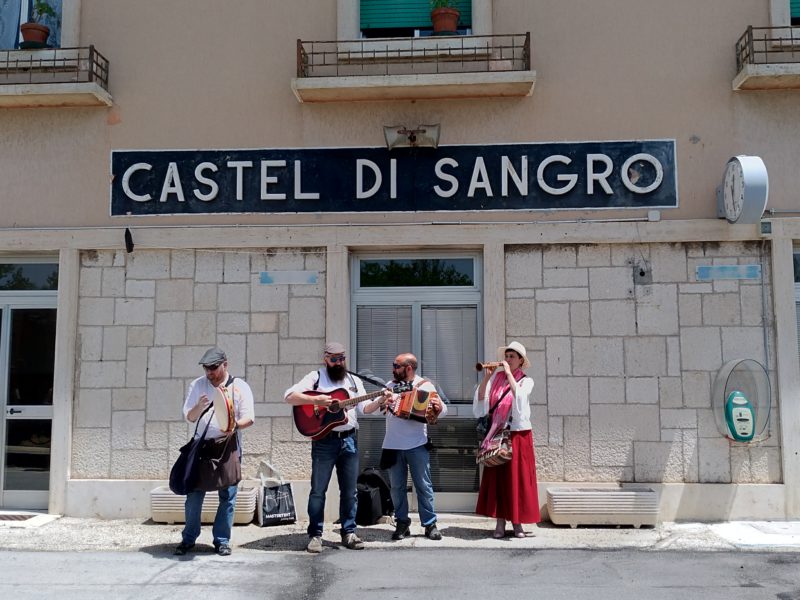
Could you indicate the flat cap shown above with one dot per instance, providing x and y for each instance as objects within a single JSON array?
[
  {"x": 334, "y": 348},
  {"x": 213, "y": 356}
]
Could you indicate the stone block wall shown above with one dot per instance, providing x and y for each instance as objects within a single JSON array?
[
  {"x": 625, "y": 344},
  {"x": 144, "y": 320}
]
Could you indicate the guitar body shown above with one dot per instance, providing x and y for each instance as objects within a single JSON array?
[{"x": 317, "y": 421}]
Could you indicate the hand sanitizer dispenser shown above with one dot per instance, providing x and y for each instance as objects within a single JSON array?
[{"x": 740, "y": 417}]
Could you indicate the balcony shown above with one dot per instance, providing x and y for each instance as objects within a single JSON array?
[
  {"x": 768, "y": 58},
  {"x": 426, "y": 68},
  {"x": 53, "y": 77}
]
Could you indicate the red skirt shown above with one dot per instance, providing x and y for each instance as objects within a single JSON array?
[{"x": 509, "y": 491}]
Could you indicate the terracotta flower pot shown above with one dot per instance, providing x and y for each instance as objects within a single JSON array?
[
  {"x": 445, "y": 20},
  {"x": 33, "y": 32}
]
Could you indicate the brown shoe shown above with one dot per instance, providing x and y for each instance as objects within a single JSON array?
[{"x": 352, "y": 541}]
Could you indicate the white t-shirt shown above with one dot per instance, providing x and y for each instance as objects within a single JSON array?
[
  {"x": 351, "y": 384},
  {"x": 242, "y": 404},
  {"x": 405, "y": 434}
]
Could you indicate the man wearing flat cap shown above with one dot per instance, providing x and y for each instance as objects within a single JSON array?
[
  {"x": 235, "y": 413},
  {"x": 339, "y": 448}
]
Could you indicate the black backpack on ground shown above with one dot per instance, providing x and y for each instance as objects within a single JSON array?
[{"x": 374, "y": 497}]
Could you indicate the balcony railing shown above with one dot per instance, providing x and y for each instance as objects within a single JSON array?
[
  {"x": 768, "y": 45},
  {"x": 55, "y": 65},
  {"x": 413, "y": 56}
]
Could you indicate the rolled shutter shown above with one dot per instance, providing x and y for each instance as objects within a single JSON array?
[{"x": 415, "y": 14}]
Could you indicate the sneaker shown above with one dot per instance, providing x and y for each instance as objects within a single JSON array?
[
  {"x": 432, "y": 532},
  {"x": 401, "y": 531},
  {"x": 352, "y": 541},
  {"x": 182, "y": 548},
  {"x": 314, "y": 545},
  {"x": 223, "y": 550}
]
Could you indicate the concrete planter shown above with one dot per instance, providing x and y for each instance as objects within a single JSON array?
[
  {"x": 634, "y": 506},
  {"x": 166, "y": 507}
]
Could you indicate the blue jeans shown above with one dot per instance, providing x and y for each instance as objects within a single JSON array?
[
  {"x": 418, "y": 460},
  {"x": 327, "y": 453},
  {"x": 223, "y": 521}
]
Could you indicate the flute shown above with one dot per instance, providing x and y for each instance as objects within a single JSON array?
[{"x": 482, "y": 366}]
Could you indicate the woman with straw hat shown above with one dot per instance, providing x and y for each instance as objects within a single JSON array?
[{"x": 508, "y": 492}]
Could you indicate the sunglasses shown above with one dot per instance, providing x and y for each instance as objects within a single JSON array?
[
  {"x": 398, "y": 366},
  {"x": 210, "y": 368},
  {"x": 337, "y": 359}
]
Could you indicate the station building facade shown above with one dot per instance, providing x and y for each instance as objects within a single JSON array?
[{"x": 207, "y": 176}]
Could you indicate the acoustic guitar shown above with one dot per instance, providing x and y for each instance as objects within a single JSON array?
[{"x": 317, "y": 421}]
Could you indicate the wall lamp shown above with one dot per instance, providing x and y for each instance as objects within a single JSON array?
[{"x": 397, "y": 136}]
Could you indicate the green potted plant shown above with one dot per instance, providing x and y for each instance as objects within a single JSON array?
[
  {"x": 444, "y": 16},
  {"x": 35, "y": 32}
]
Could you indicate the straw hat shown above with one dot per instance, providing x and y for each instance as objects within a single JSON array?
[{"x": 516, "y": 347}]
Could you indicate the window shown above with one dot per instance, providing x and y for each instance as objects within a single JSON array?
[
  {"x": 428, "y": 305},
  {"x": 784, "y": 13},
  {"x": 420, "y": 304},
  {"x": 405, "y": 18},
  {"x": 28, "y": 276},
  {"x": 15, "y": 12},
  {"x": 348, "y": 26}
]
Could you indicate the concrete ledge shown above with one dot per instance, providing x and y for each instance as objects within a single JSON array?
[
  {"x": 37, "y": 95},
  {"x": 120, "y": 499},
  {"x": 414, "y": 87}
]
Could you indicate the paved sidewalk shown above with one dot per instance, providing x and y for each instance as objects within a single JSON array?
[{"x": 49, "y": 533}]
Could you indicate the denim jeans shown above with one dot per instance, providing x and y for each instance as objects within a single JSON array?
[
  {"x": 327, "y": 453},
  {"x": 418, "y": 460},
  {"x": 223, "y": 521}
]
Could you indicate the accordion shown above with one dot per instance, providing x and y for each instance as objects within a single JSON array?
[{"x": 416, "y": 405}]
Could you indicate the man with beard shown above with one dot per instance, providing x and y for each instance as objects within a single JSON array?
[
  {"x": 337, "y": 449},
  {"x": 405, "y": 447}
]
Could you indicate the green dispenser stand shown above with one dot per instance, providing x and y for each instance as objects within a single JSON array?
[{"x": 740, "y": 417}]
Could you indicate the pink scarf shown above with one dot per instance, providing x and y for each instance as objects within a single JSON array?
[{"x": 503, "y": 400}]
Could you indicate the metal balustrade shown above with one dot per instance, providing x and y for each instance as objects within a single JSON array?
[
  {"x": 53, "y": 65},
  {"x": 423, "y": 55},
  {"x": 768, "y": 45}
]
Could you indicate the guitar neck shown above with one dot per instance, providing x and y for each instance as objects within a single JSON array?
[{"x": 353, "y": 401}]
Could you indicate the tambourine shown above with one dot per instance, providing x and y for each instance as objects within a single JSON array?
[{"x": 223, "y": 409}]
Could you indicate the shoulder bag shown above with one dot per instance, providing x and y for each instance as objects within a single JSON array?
[{"x": 183, "y": 475}]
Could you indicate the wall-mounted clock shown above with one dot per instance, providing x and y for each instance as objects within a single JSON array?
[{"x": 742, "y": 195}]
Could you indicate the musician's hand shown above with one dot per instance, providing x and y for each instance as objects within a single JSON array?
[
  {"x": 323, "y": 400},
  {"x": 436, "y": 404},
  {"x": 387, "y": 398},
  {"x": 506, "y": 368}
]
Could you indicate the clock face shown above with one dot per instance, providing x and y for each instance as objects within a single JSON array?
[{"x": 733, "y": 190}]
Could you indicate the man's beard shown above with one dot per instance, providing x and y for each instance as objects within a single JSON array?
[
  {"x": 397, "y": 378},
  {"x": 336, "y": 372}
]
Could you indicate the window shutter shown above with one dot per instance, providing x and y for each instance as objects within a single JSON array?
[
  {"x": 9, "y": 23},
  {"x": 382, "y": 14},
  {"x": 382, "y": 332},
  {"x": 450, "y": 349},
  {"x": 794, "y": 7}
]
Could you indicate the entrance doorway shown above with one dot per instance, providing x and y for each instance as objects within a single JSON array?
[{"x": 27, "y": 354}]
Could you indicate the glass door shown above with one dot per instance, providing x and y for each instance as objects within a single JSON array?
[
  {"x": 28, "y": 297},
  {"x": 27, "y": 353}
]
